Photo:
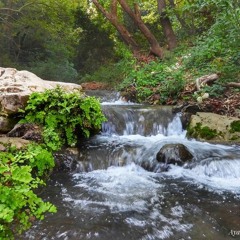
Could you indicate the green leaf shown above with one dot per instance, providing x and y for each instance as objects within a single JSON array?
[{"x": 22, "y": 174}]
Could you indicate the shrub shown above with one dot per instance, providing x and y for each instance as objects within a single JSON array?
[
  {"x": 64, "y": 116},
  {"x": 22, "y": 171},
  {"x": 155, "y": 78}
]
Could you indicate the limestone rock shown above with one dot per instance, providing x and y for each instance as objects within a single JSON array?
[
  {"x": 16, "y": 86},
  {"x": 176, "y": 154},
  {"x": 17, "y": 142},
  {"x": 15, "y": 89},
  {"x": 214, "y": 128}
]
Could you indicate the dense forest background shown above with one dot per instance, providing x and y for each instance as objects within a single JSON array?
[{"x": 132, "y": 42}]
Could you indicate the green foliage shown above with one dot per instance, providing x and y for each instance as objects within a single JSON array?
[
  {"x": 203, "y": 132},
  {"x": 63, "y": 116},
  {"x": 235, "y": 126},
  {"x": 215, "y": 90},
  {"x": 55, "y": 69},
  {"x": 217, "y": 49},
  {"x": 111, "y": 73},
  {"x": 39, "y": 36},
  {"x": 155, "y": 78},
  {"x": 21, "y": 171},
  {"x": 95, "y": 47}
]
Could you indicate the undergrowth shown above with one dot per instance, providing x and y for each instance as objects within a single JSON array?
[
  {"x": 21, "y": 173},
  {"x": 63, "y": 116}
]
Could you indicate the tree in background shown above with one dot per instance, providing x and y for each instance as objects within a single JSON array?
[
  {"x": 95, "y": 46},
  {"x": 135, "y": 16},
  {"x": 166, "y": 24},
  {"x": 60, "y": 39},
  {"x": 39, "y": 36}
]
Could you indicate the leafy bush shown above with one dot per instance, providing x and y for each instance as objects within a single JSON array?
[
  {"x": 63, "y": 116},
  {"x": 55, "y": 69},
  {"x": 21, "y": 171},
  {"x": 217, "y": 49},
  {"x": 155, "y": 78}
]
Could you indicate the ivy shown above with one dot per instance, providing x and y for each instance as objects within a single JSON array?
[
  {"x": 64, "y": 116},
  {"x": 22, "y": 171}
]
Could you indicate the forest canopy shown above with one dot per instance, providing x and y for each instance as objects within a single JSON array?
[{"x": 81, "y": 40}]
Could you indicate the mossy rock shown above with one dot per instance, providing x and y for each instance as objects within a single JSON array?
[
  {"x": 214, "y": 128},
  {"x": 235, "y": 126},
  {"x": 203, "y": 132}
]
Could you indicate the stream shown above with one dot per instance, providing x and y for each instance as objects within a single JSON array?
[{"x": 109, "y": 194}]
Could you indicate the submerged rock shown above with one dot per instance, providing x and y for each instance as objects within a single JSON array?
[
  {"x": 67, "y": 159},
  {"x": 177, "y": 154}
]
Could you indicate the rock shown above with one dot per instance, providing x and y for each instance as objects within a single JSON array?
[
  {"x": 214, "y": 128},
  {"x": 67, "y": 159},
  {"x": 6, "y": 124},
  {"x": 16, "y": 86},
  {"x": 177, "y": 154},
  {"x": 17, "y": 142},
  {"x": 27, "y": 131},
  {"x": 15, "y": 89}
]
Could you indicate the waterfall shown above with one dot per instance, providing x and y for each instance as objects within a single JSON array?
[
  {"x": 114, "y": 192},
  {"x": 140, "y": 120}
]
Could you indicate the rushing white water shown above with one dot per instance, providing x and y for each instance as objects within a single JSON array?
[{"x": 111, "y": 196}]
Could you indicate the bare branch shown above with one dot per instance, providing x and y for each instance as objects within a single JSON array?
[
  {"x": 233, "y": 84},
  {"x": 200, "y": 82}
]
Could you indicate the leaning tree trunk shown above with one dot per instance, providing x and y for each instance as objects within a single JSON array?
[
  {"x": 166, "y": 25},
  {"x": 136, "y": 17},
  {"x": 179, "y": 18},
  {"x": 113, "y": 19}
]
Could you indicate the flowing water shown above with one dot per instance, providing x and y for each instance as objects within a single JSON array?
[{"x": 109, "y": 194}]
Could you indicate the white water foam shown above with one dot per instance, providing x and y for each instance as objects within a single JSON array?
[
  {"x": 120, "y": 101},
  {"x": 129, "y": 189},
  {"x": 222, "y": 175},
  {"x": 122, "y": 188}
]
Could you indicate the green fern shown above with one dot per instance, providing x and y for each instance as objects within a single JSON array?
[{"x": 64, "y": 116}]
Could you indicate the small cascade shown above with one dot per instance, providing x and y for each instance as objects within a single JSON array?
[
  {"x": 118, "y": 191},
  {"x": 104, "y": 95},
  {"x": 140, "y": 120}
]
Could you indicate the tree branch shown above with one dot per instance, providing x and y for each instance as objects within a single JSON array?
[
  {"x": 205, "y": 79},
  {"x": 233, "y": 84}
]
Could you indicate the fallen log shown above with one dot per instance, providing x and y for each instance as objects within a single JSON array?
[
  {"x": 233, "y": 84},
  {"x": 200, "y": 82}
]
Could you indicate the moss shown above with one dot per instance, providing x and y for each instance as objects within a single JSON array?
[
  {"x": 207, "y": 133},
  {"x": 234, "y": 138},
  {"x": 203, "y": 132},
  {"x": 235, "y": 126}
]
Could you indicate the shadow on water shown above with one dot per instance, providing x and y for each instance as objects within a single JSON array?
[{"x": 109, "y": 195}]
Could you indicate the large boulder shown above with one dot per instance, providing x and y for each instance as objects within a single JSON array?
[
  {"x": 213, "y": 127},
  {"x": 176, "y": 154},
  {"x": 15, "y": 89}
]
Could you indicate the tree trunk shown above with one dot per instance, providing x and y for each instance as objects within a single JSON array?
[
  {"x": 166, "y": 25},
  {"x": 112, "y": 17},
  {"x": 136, "y": 17},
  {"x": 179, "y": 18}
]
